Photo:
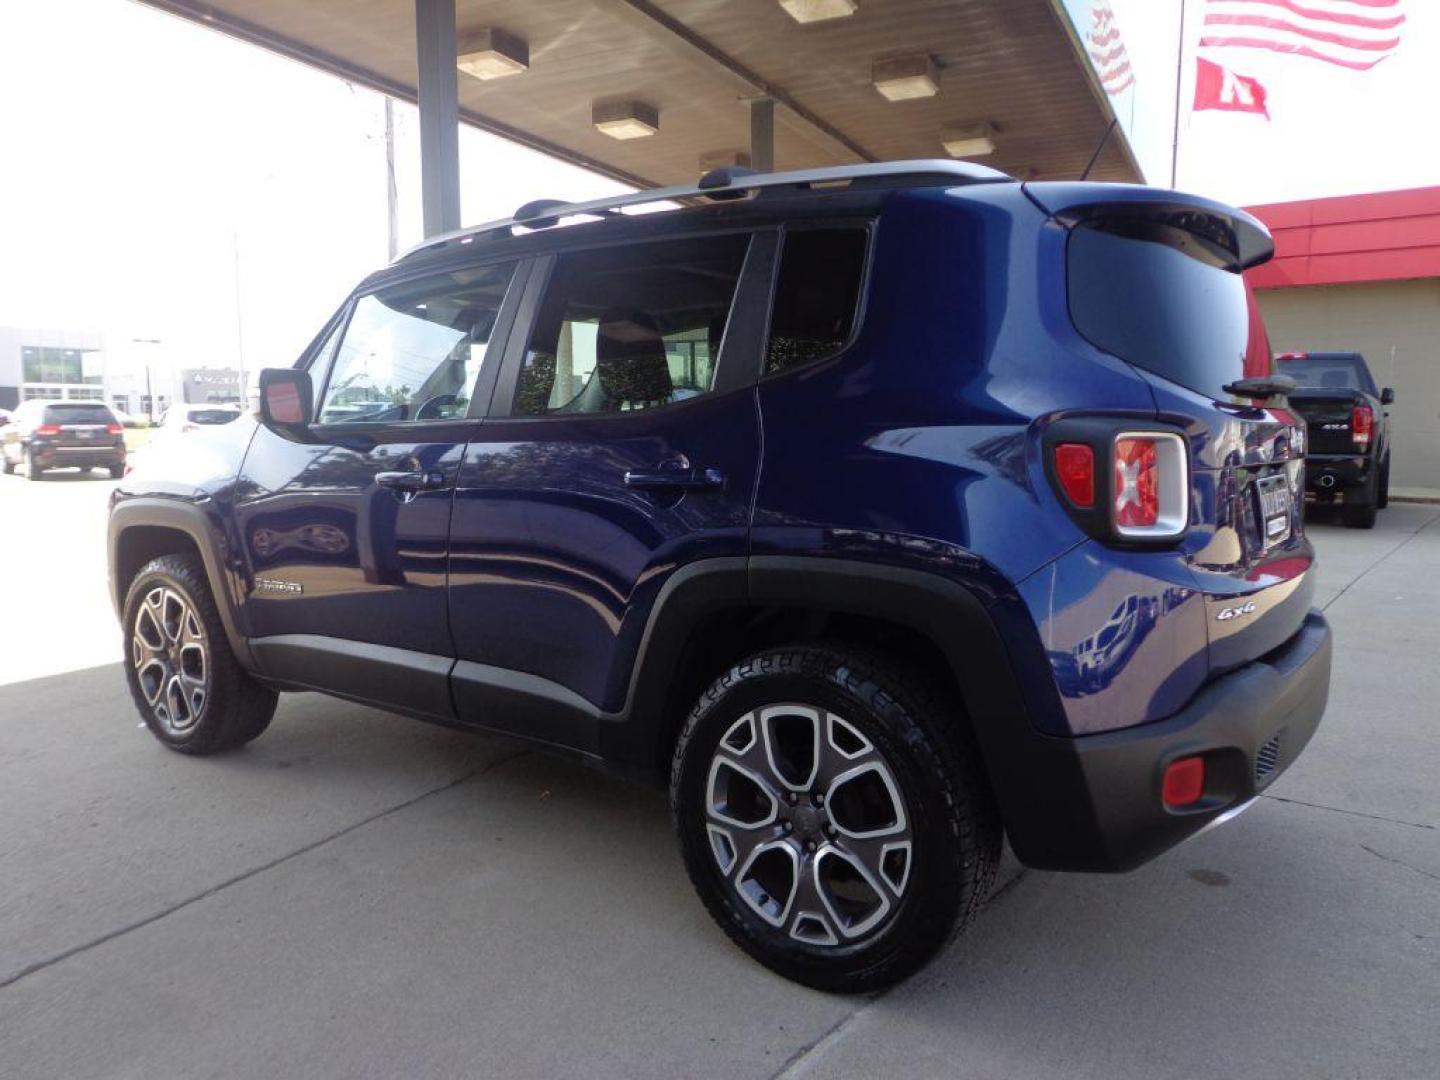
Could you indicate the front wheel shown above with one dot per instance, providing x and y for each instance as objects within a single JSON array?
[
  {"x": 832, "y": 816},
  {"x": 191, "y": 691}
]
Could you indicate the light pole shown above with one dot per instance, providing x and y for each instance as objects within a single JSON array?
[{"x": 149, "y": 394}]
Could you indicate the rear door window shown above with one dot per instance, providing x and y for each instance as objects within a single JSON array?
[{"x": 1164, "y": 299}]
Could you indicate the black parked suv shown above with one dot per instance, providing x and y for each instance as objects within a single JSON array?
[
  {"x": 45, "y": 435},
  {"x": 883, "y": 512},
  {"x": 1348, "y": 445}
]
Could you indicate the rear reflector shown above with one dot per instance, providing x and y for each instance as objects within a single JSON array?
[
  {"x": 1362, "y": 423},
  {"x": 1075, "y": 470},
  {"x": 1184, "y": 782}
]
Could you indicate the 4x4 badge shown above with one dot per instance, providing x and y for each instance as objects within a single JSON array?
[{"x": 1235, "y": 612}]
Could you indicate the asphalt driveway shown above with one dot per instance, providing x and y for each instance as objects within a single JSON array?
[{"x": 360, "y": 895}]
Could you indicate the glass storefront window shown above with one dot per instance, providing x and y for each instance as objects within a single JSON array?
[{"x": 44, "y": 364}]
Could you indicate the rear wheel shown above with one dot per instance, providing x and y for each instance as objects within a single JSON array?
[
  {"x": 1358, "y": 510},
  {"x": 187, "y": 684},
  {"x": 34, "y": 471},
  {"x": 6, "y": 463},
  {"x": 832, "y": 816},
  {"x": 1382, "y": 498},
  {"x": 117, "y": 471}
]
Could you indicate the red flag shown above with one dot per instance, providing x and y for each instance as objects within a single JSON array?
[{"x": 1218, "y": 87}]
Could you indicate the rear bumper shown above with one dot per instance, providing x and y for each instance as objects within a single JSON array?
[
  {"x": 84, "y": 457},
  {"x": 1335, "y": 472},
  {"x": 1096, "y": 802}
]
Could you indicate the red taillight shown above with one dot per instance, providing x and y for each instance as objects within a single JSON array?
[
  {"x": 1293, "y": 356},
  {"x": 1075, "y": 471},
  {"x": 114, "y": 429},
  {"x": 1137, "y": 482},
  {"x": 1184, "y": 782},
  {"x": 1362, "y": 423},
  {"x": 47, "y": 429}
]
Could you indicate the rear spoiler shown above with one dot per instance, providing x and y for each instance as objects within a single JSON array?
[{"x": 1245, "y": 237}]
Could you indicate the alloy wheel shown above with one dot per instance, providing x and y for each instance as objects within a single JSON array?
[
  {"x": 807, "y": 824},
  {"x": 169, "y": 653}
]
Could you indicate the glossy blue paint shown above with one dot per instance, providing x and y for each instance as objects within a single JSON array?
[{"x": 918, "y": 445}]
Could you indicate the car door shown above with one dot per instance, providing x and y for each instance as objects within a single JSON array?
[
  {"x": 622, "y": 445},
  {"x": 344, "y": 536}
]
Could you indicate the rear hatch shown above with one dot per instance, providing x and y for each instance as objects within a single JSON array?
[
  {"x": 81, "y": 424},
  {"x": 1156, "y": 280}
]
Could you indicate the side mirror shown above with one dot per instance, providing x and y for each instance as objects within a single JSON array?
[
  {"x": 287, "y": 402},
  {"x": 1387, "y": 395}
]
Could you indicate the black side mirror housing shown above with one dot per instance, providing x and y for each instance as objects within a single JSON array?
[
  {"x": 1387, "y": 395},
  {"x": 287, "y": 402}
]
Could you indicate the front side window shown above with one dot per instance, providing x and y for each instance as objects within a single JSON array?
[
  {"x": 632, "y": 327},
  {"x": 412, "y": 352},
  {"x": 816, "y": 296}
]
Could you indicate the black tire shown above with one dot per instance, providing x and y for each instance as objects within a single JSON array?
[
  {"x": 1382, "y": 496},
  {"x": 954, "y": 830},
  {"x": 234, "y": 708},
  {"x": 1358, "y": 509},
  {"x": 117, "y": 471},
  {"x": 6, "y": 464},
  {"x": 31, "y": 469}
]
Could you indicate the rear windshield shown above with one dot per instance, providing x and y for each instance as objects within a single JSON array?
[
  {"x": 213, "y": 416},
  {"x": 1343, "y": 371},
  {"x": 78, "y": 414},
  {"x": 1165, "y": 300}
]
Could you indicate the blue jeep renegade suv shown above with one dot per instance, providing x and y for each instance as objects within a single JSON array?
[{"x": 885, "y": 511}]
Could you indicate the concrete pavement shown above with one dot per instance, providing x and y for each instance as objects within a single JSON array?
[{"x": 357, "y": 894}]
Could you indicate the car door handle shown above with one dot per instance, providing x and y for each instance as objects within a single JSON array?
[
  {"x": 411, "y": 481},
  {"x": 675, "y": 479}
]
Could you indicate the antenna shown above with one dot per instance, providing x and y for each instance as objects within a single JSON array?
[{"x": 1096, "y": 155}]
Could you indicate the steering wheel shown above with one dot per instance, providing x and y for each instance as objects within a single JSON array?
[{"x": 431, "y": 409}]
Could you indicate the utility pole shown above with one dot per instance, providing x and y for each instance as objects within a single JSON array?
[
  {"x": 239, "y": 320},
  {"x": 391, "y": 202}
]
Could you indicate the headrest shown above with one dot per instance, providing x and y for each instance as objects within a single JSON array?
[{"x": 630, "y": 359}]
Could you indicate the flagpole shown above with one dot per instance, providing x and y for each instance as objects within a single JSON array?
[{"x": 1179, "y": 87}]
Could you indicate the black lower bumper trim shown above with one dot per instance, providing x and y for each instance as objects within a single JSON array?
[{"x": 1100, "y": 807}]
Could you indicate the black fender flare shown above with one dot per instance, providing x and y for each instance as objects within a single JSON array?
[{"x": 201, "y": 521}]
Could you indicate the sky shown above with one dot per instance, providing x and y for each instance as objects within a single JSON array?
[{"x": 164, "y": 181}]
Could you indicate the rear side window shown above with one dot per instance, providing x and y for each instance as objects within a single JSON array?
[
  {"x": 78, "y": 414},
  {"x": 816, "y": 296},
  {"x": 1163, "y": 299},
  {"x": 213, "y": 416}
]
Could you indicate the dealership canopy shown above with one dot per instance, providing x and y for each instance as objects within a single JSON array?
[{"x": 654, "y": 92}]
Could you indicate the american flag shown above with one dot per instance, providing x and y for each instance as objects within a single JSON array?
[
  {"x": 1355, "y": 34},
  {"x": 1107, "y": 51}
]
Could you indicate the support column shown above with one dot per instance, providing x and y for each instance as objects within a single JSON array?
[
  {"x": 762, "y": 135},
  {"x": 439, "y": 115}
]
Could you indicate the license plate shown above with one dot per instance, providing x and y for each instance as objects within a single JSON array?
[
  {"x": 86, "y": 434},
  {"x": 1274, "y": 494}
]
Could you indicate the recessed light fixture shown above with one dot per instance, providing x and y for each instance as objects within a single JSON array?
[
  {"x": 904, "y": 78},
  {"x": 625, "y": 119},
  {"x": 724, "y": 159},
  {"x": 972, "y": 140},
  {"x": 808, "y": 11},
  {"x": 492, "y": 54}
]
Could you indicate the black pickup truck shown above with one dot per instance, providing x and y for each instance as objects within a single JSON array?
[{"x": 1348, "y": 449}]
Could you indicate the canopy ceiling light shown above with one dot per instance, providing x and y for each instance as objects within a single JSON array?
[
  {"x": 973, "y": 140},
  {"x": 625, "y": 119},
  {"x": 492, "y": 54},
  {"x": 904, "y": 78},
  {"x": 808, "y": 11}
]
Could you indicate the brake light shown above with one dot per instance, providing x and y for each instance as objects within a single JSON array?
[
  {"x": 1293, "y": 356},
  {"x": 114, "y": 429},
  {"x": 1137, "y": 483},
  {"x": 47, "y": 429},
  {"x": 1075, "y": 471},
  {"x": 1150, "y": 485},
  {"x": 1184, "y": 782},
  {"x": 1362, "y": 424}
]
